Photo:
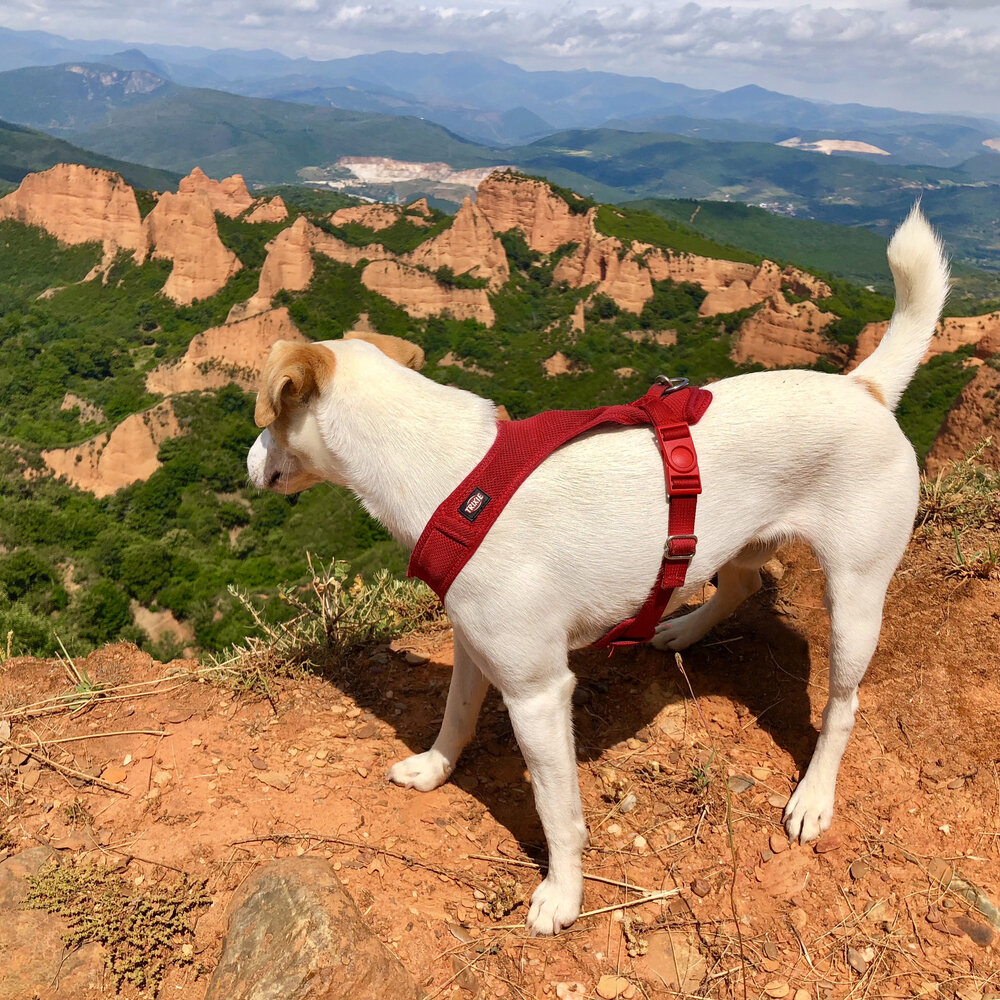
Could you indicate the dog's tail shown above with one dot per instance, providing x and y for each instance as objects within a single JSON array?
[{"x": 920, "y": 274}]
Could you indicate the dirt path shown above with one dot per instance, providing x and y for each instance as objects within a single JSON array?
[{"x": 230, "y": 784}]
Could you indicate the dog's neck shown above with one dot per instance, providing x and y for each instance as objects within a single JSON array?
[{"x": 407, "y": 443}]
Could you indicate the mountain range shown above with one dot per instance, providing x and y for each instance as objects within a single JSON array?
[{"x": 280, "y": 120}]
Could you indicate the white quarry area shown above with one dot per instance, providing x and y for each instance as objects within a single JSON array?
[{"x": 829, "y": 146}]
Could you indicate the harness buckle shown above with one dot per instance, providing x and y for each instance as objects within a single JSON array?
[
  {"x": 672, "y": 556},
  {"x": 670, "y": 384}
]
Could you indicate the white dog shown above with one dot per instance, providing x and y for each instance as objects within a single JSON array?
[{"x": 783, "y": 454}]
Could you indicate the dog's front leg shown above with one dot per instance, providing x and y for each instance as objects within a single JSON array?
[
  {"x": 425, "y": 771},
  {"x": 543, "y": 725}
]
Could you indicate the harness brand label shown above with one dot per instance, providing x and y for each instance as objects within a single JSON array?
[{"x": 474, "y": 505}]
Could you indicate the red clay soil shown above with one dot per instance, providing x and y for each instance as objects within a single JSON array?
[{"x": 234, "y": 783}]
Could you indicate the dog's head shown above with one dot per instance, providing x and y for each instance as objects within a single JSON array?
[{"x": 294, "y": 395}]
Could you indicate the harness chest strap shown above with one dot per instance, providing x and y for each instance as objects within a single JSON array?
[{"x": 463, "y": 520}]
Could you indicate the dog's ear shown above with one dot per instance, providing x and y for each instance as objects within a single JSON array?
[
  {"x": 291, "y": 374},
  {"x": 408, "y": 354}
]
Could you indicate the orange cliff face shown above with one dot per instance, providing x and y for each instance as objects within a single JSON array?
[
  {"x": 78, "y": 204},
  {"x": 421, "y": 294},
  {"x": 974, "y": 418},
  {"x": 467, "y": 246},
  {"x": 181, "y": 228},
  {"x": 233, "y": 352},
  {"x": 108, "y": 462},
  {"x": 952, "y": 333},
  {"x": 228, "y": 196},
  {"x": 513, "y": 202}
]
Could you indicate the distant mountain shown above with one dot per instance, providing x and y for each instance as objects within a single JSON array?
[
  {"x": 267, "y": 141},
  {"x": 24, "y": 151},
  {"x": 73, "y": 96}
]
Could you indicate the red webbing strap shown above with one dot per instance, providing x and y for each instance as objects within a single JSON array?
[{"x": 460, "y": 523}]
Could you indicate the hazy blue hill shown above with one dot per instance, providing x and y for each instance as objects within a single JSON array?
[
  {"x": 266, "y": 141},
  {"x": 67, "y": 98},
  {"x": 24, "y": 151}
]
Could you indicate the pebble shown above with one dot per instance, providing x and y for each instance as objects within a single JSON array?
[
  {"x": 778, "y": 843},
  {"x": 858, "y": 869},
  {"x": 739, "y": 784},
  {"x": 777, "y": 988},
  {"x": 778, "y": 801},
  {"x": 700, "y": 887},
  {"x": 771, "y": 950},
  {"x": 628, "y": 803},
  {"x": 614, "y": 829},
  {"x": 161, "y": 777},
  {"x": 761, "y": 773},
  {"x": 856, "y": 961},
  {"x": 639, "y": 843},
  {"x": 571, "y": 991},
  {"x": 610, "y": 987},
  {"x": 115, "y": 774},
  {"x": 831, "y": 842}
]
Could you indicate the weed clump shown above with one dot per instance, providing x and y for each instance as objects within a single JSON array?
[
  {"x": 143, "y": 933},
  {"x": 966, "y": 494},
  {"x": 332, "y": 617}
]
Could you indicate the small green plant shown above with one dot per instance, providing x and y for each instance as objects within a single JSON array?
[
  {"x": 977, "y": 566},
  {"x": 144, "y": 933},
  {"x": 701, "y": 774},
  {"x": 331, "y": 618},
  {"x": 966, "y": 493},
  {"x": 77, "y": 814}
]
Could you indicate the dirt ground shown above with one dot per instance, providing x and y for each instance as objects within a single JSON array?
[{"x": 683, "y": 790}]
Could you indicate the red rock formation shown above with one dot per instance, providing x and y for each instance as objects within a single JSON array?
[
  {"x": 181, "y": 228},
  {"x": 513, "y": 202},
  {"x": 974, "y": 417},
  {"x": 289, "y": 263},
  {"x": 559, "y": 364},
  {"x": 108, "y": 462},
  {"x": 951, "y": 334},
  {"x": 467, "y": 246},
  {"x": 376, "y": 216},
  {"x": 273, "y": 210},
  {"x": 228, "y": 196},
  {"x": 421, "y": 208},
  {"x": 603, "y": 261},
  {"x": 421, "y": 295},
  {"x": 78, "y": 204},
  {"x": 233, "y": 352},
  {"x": 781, "y": 335}
]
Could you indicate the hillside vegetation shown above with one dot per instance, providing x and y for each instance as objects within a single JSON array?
[{"x": 77, "y": 354}]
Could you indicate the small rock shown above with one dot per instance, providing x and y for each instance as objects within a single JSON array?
[
  {"x": 858, "y": 869},
  {"x": 416, "y": 659},
  {"x": 115, "y": 774},
  {"x": 778, "y": 843},
  {"x": 778, "y": 801},
  {"x": 162, "y": 778},
  {"x": 639, "y": 843},
  {"x": 777, "y": 988},
  {"x": 614, "y": 829},
  {"x": 700, "y": 887},
  {"x": 857, "y": 961},
  {"x": 610, "y": 987},
  {"x": 831, "y": 842},
  {"x": 738, "y": 784},
  {"x": 802, "y": 995},
  {"x": 981, "y": 933},
  {"x": 293, "y": 931},
  {"x": 257, "y": 762},
  {"x": 761, "y": 773},
  {"x": 771, "y": 950},
  {"x": 628, "y": 803},
  {"x": 275, "y": 779},
  {"x": 571, "y": 991}
]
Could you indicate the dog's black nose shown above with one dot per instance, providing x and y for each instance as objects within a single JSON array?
[{"x": 274, "y": 477}]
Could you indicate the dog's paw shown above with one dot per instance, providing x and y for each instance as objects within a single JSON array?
[
  {"x": 808, "y": 814},
  {"x": 423, "y": 771},
  {"x": 678, "y": 633},
  {"x": 553, "y": 907}
]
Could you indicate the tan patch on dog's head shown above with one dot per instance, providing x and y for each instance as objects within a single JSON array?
[
  {"x": 874, "y": 391},
  {"x": 408, "y": 354},
  {"x": 291, "y": 374}
]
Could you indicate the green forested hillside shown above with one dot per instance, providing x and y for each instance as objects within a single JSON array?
[
  {"x": 70, "y": 564},
  {"x": 24, "y": 151}
]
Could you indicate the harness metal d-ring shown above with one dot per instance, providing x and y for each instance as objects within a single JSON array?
[{"x": 671, "y": 384}]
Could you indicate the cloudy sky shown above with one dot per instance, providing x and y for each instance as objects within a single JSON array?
[{"x": 922, "y": 55}]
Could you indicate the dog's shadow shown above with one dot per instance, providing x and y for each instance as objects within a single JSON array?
[{"x": 755, "y": 661}]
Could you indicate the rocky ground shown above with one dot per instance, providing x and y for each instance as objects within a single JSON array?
[{"x": 683, "y": 789}]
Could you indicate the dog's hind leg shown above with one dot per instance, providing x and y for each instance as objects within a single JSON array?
[
  {"x": 854, "y": 600},
  {"x": 427, "y": 770},
  {"x": 738, "y": 579}
]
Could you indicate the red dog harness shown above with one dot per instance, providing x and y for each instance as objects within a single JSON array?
[{"x": 463, "y": 520}]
